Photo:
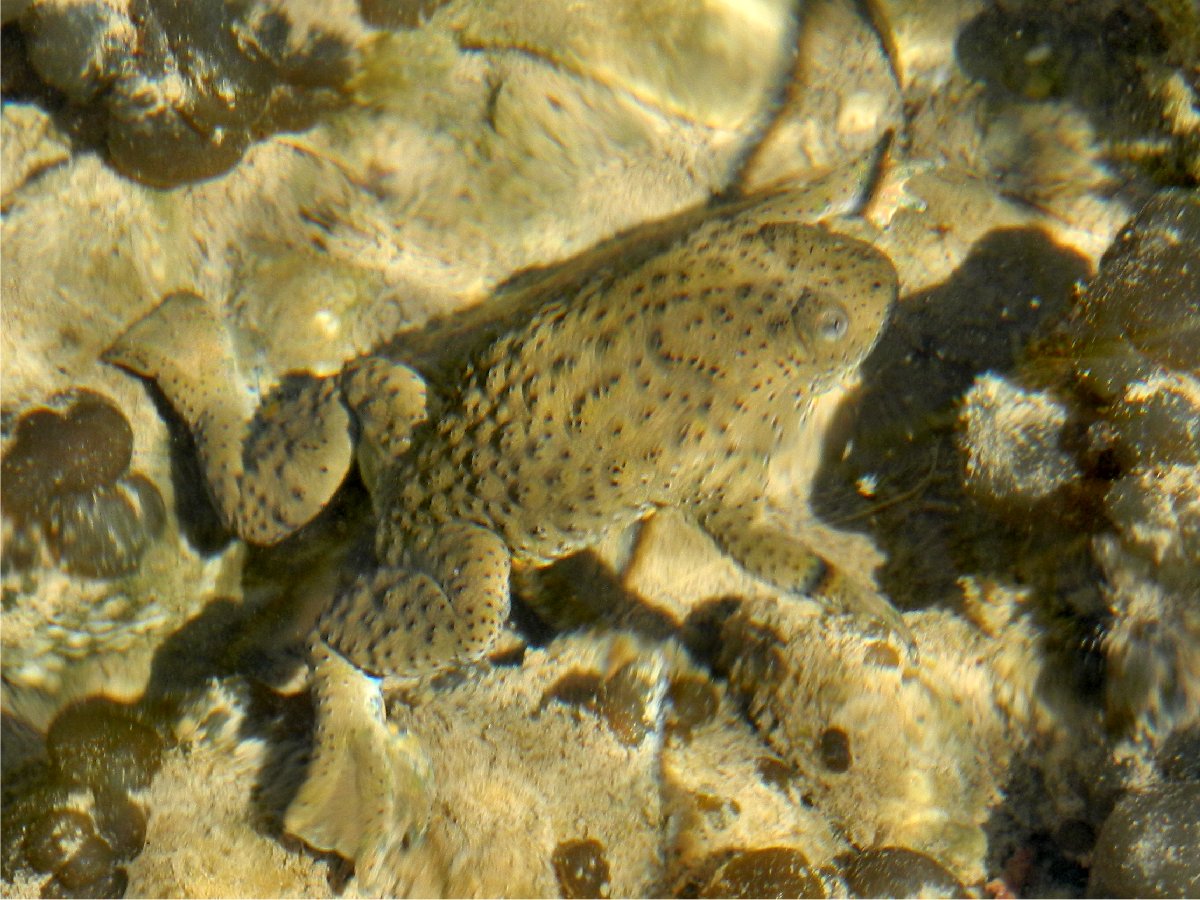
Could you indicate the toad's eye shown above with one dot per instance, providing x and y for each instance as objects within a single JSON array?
[{"x": 832, "y": 323}]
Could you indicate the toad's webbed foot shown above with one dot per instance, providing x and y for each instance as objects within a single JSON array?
[
  {"x": 442, "y": 601},
  {"x": 782, "y": 559},
  {"x": 270, "y": 469},
  {"x": 369, "y": 788}
]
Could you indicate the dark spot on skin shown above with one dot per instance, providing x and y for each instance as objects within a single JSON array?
[
  {"x": 834, "y": 750},
  {"x": 777, "y": 325}
]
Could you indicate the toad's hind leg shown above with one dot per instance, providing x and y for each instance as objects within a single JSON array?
[
  {"x": 787, "y": 562},
  {"x": 368, "y": 789},
  {"x": 444, "y": 602},
  {"x": 270, "y": 469}
]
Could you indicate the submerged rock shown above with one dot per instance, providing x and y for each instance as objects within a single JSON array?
[
  {"x": 77, "y": 816},
  {"x": 1147, "y": 847},
  {"x": 1137, "y": 330},
  {"x": 1117, "y": 435},
  {"x": 1012, "y": 438},
  {"x": 900, "y": 748},
  {"x": 66, "y": 479},
  {"x": 899, "y": 872},
  {"x": 184, "y": 88}
]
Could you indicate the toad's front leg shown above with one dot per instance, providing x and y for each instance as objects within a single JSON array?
[
  {"x": 368, "y": 791},
  {"x": 767, "y": 551},
  {"x": 270, "y": 467}
]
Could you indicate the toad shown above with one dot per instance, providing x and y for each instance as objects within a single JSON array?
[{"x": 662, "y": 370}]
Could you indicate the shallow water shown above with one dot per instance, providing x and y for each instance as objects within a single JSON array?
[{"x": 1014, "y": 468}]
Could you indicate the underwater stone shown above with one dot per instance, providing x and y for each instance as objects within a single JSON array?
[
  {"x": 22, "y": 549},
  {"x": 77, "y": 48},
  {"x": 1152, "y": 649},
  {"x": 882, "y": 654},
  {"x": 88, "y": 445},
  {"x": 1134, "y": 340},
  {"x": 1142, "y": 311},
  {"x": 1075, "y": 838},
  {"x": 91, "y": 861},
  {"x": 581, "y": 868},
  {"x": 63, "y": 478},
  {"x": 1147, "y": 847},
  {"x": 624, "y": 699},
  {"x": 121, "y": 821},
  {"x": 1179, "y": 759},
  {"x": 775, "y": 772},
  {"x": 113, "y": 883},
  {"x": 766, "y": 872},
  {"x": 1158, "y": 420},
  {"x": 694, "y": 701},
  {"x": 395, "y": 14},
  {"x": 1158, "y": 512},
  {"x": 54, "y": 838},
  {"x": 185, "y": 87},
  {"x": 904, "y": 756},
  {"x": 834, "y": 750},
  {"x": 1011, "y": 438},
  {"x": 102, "y": 533},
  {"x": 578, "y": 688},
  {"x": 29, "y": 795},
  {"x": 99, "y": 743},
  {"x": 899, "y": 872},
  {"x": 628, "y": 699},
  {"x": 72, "y": 819}
]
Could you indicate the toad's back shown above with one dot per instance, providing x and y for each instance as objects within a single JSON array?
[{"x": 667, "y": 384}]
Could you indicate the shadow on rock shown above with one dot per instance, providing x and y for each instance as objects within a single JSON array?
[{"x": 901, "y": 478}]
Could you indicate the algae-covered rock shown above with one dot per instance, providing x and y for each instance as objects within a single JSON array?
[
  {"x": 1141, "y": 315},
  {"x": 66, "y": 480},
  {"x": 1012, "y": 440},
  {"x": 899, "y": 872},
  {"x": 185, "y": 88},
  {"x": 1147, "y": 847},
  {"x": 1138, "y": 347},
  {"x": 900, "y": 749}
]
